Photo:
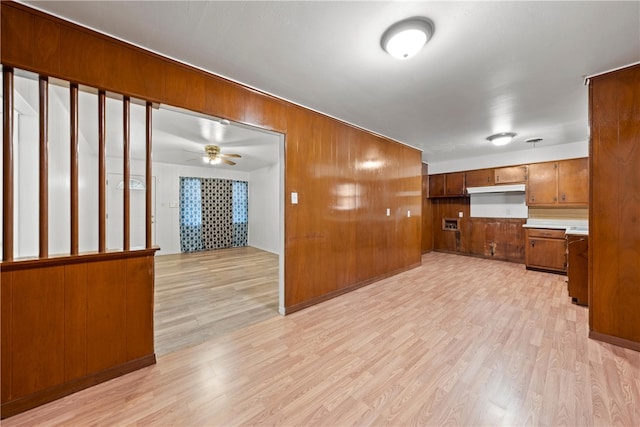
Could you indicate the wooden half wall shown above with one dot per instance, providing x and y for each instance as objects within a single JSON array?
[
  {"x": 72, "y": 322},
  {"x": 339, "y": 236}
]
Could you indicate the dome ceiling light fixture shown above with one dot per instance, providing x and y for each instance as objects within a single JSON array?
[
  {"x": 502, "y": 138},
  {"x": 406, "y": 38}
]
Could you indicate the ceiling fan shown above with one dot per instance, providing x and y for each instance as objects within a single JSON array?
[{"x": 213, "y": 156}]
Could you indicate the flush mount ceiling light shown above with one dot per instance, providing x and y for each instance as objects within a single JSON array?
[
  {"x": 502, "y": 138},
  {"x": 404, "y": 39}
]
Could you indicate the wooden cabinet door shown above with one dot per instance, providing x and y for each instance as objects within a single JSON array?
[
  {"x": 546, "y": 254},
  {"x": 573, "y": 182},
  {"x": 577, "y": 269},
  {"x": 454, "y": 184},
  {"x": 510, "y": 175},
  {"x": 436, "y": 185},
  {"x": 479, "y": 178},
  {"x": 542, "y": 184},
  {"x": 545, "y": 249}
]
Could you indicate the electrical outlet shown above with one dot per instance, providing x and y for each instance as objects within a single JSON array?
[
  {"x": 388, "y": 212},
  {"x": 408, "y": 214},
  {"x": 460, "y": 214},
  {"x": 294, "y": 198}
]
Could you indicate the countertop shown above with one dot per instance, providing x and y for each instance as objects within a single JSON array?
[{"x": 578, "y": 227}]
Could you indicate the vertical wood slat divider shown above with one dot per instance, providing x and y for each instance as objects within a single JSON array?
[
  {"x": 149, "y": 178},
  {"x": 102, "y": 176},
  {"x": 44, "y": 166},
  {"x": 73, "y": 118},
  {"x": 7, "y": 164},
  {"x": 126, "y": 151}
]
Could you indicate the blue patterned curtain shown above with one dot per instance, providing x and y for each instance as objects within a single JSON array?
[
  {"x": 190, "y": 215},
  {"x": 240, "y": 213},
  {"x": 213, "y": 214}
]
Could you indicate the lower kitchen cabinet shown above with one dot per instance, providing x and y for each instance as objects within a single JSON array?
[
  {"x": 577, "y": 268},
  {"x": 498, "y": 238},
  {"x": 545, "y": 249}
]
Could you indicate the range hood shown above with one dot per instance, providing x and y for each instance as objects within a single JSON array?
[{"x": 512, "y": 188}]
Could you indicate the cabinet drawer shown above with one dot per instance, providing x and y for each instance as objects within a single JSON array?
[{"x": 546, "y": 232}]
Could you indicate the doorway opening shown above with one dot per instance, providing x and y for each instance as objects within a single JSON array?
[{"x": 204, "y": 294}]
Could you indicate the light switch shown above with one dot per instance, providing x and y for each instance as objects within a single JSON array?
[
  {"x": 294, "y": 198},
  {"x": 173, "y": 204},
  {"x": 388, "y": 212},
  {"x": 460, "y": 214},
  {"x": 408, "y": 214}
]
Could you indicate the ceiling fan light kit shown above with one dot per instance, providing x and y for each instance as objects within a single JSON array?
[
  {"x": 502, "y": 138},
  {"x": 214, "y": 156},
  {"x": 406, "y": 38}
]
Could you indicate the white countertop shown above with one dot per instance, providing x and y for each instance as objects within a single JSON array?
[
  {"x": 577, "y": 231},
  {"x": 571, "y": 226}
]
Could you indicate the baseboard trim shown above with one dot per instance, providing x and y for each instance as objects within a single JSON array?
[
  {"x": 31, "y": 401},
  {"x": 512, "y": 260},
  {"x": 620, "y": 342},
  {"x": 350, "y": 288}
]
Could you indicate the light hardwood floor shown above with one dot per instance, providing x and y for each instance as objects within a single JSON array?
[
  {"x": 457, "y": 341},
  {"x": 203, "y": 295}
]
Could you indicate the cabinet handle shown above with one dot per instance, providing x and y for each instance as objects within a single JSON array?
[
  {"x": 564, "y": 197},
  {"x": 555, "y": 199},
  {"x": 498, "y": 178},
  {"x": 533, "y": 243}
]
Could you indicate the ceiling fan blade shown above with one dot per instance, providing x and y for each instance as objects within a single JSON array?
[
  {"x": 229, "y": 162},
  {"x": 229, "y": 155}
]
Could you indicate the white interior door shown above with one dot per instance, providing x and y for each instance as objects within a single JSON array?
[{"x": 115, "y": 200}]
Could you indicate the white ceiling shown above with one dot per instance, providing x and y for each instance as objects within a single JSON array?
[
  {"x": 490, "y": 67},
  {"x": 180, "y": 137}
]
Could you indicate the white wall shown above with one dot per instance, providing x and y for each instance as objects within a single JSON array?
[
  {"x": 26, "y": 194},
  {"x": 264, "y": 209},
  {"x": 59, "y": 177},
  {"x": 533, "y": 155}
]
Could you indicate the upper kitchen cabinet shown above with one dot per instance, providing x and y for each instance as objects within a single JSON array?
[
  {"x": 479, "y": 178},
  {"x": 558, "y": 184},
  {"x": 510, "y": 175},
  {"x": 573, "y": 182},
  {"x": 446, "y": 184},
  {"x": 542, "y": 185},
  {"x": 436, "y": 185}
]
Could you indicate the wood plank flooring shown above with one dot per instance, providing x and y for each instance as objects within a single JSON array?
[
  {"x": 203, "y": 295},
  {"x": 457, "y": 341}
]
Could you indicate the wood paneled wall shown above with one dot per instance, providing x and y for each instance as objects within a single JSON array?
[
  {"x": 338, "y": 236},
  {"x": 71, "y": 322},
  {"x": 614, "y": 218}
]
